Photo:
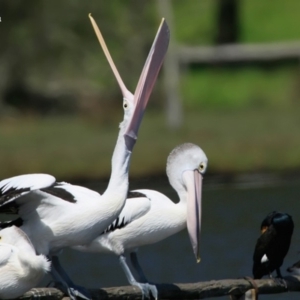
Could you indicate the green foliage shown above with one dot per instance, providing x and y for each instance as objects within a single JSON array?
[
  {"x": 236, "y": 88},
  {"x": 260, "y": 21},
  {"x": 194, "y": 21},
  {"x": 269, "y": 20},
  {"x": 77, "y": 148},
  {"x": 52, "y": 47}
]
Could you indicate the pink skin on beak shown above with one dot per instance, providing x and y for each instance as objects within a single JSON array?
[
  {"x": 193, "y": 182},
  {"x": 126, "y": 94},
  {"x": 147, "y": 79}
]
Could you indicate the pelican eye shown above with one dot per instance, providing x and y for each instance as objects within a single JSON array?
[
  {"x": 125, "y": 104},
  {"x": 201, "y": 167}
]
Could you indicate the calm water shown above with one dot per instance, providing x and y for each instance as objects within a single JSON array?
[{"x": 230, "y": 227}]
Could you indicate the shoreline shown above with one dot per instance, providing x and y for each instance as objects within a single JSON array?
[{"x": 212, "y": 181}]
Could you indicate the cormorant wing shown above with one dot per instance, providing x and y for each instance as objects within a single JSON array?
[{"x": 263, "y": 244}]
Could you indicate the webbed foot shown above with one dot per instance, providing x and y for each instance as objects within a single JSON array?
[
  {"x": 280, "y": 281},
  {"x": 73, "y": 291},
  {"x": 76, "y": 292},
  {"x": 149, "y": 291}
]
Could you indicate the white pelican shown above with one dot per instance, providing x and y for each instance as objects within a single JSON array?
[
  {"x": 20, "y": 268},
  {"x": 149, "y": 216},
  {"x": 58, "y": 215}
]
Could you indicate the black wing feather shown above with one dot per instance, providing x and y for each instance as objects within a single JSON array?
[
  {"x": 117, "y": 223},
  {"x": 59, "y": 192},
  {"x": 17, "y": 222},
  {"x": 131, "y": 195},
  {"x": 10, "y": 194}
]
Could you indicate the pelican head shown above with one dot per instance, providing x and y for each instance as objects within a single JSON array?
[
  {"x": 186, "y": 166},
  {"x": 135, "y": 104}
]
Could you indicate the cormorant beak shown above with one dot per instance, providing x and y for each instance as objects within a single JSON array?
[
  {"x": 147, "y": 79},
  {"x": 193, "y": 182},
  {"x": 264, "y": 229}
]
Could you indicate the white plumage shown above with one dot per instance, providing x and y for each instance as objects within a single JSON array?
[
  {"x": 20, "y": 268},
  {"x": 58, "y": 215},
  {"x": 154, "y": 217}
]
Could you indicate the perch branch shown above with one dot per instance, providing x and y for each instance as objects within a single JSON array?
[{"x": 200, "y": 290}]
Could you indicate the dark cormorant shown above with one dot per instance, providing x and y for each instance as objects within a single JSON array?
[{"x": 273, "y": 244}]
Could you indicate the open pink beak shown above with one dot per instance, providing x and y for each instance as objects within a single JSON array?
[
  {"x": 147, "y": 79},
  {"x": 193, "y": 182}
]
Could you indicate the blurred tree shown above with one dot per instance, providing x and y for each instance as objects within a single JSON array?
[
  {"x": 174, "y": 111},
  {"x": 51, "y": 48},
  {"x": 228, "y": 23}
]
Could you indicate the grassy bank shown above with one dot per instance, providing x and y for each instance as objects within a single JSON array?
[
  {"x": 260, "y": 21},
  {"x": 242, "y": 87},
  {"x": 73, "y": 148}
]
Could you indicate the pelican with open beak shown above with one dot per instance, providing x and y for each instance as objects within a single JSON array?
[{"x": 56, "y": 215}]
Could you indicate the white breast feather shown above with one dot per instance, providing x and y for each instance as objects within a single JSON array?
[
  {"x": 5, "y": 253},
  {"x": 264, "y": 259}
]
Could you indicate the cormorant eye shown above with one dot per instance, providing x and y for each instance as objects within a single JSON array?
[{"x": 125, "y": 105}]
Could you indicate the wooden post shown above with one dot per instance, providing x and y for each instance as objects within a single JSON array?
[
  {"x": 171, "y": 71},
  {"x": 239, "y": 53}
]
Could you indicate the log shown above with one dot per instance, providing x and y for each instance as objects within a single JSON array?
[
  {"x": 199, "y": 290},
  {"x": 239, "y": 53}
]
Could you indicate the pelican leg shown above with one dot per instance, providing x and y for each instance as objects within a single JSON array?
[
  {"x": 58, "y": 282},
  {"x": 65, "y": 283},
  {"x": 137, "y": 267},
  {"x": 146, "y": 288}
]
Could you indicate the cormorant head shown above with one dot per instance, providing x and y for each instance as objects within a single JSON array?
[{"x": 282, "y": 222}]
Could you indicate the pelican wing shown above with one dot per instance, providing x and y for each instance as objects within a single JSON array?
[
  {"x": 136, "y": 205},
  {"x": 55, "y": 200},
  {"x": 5, "y": 253},
  {"x": 71, "y": 192},
  {"x": 15, "y": 187},
  {"x": 24, "y": 196}
]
